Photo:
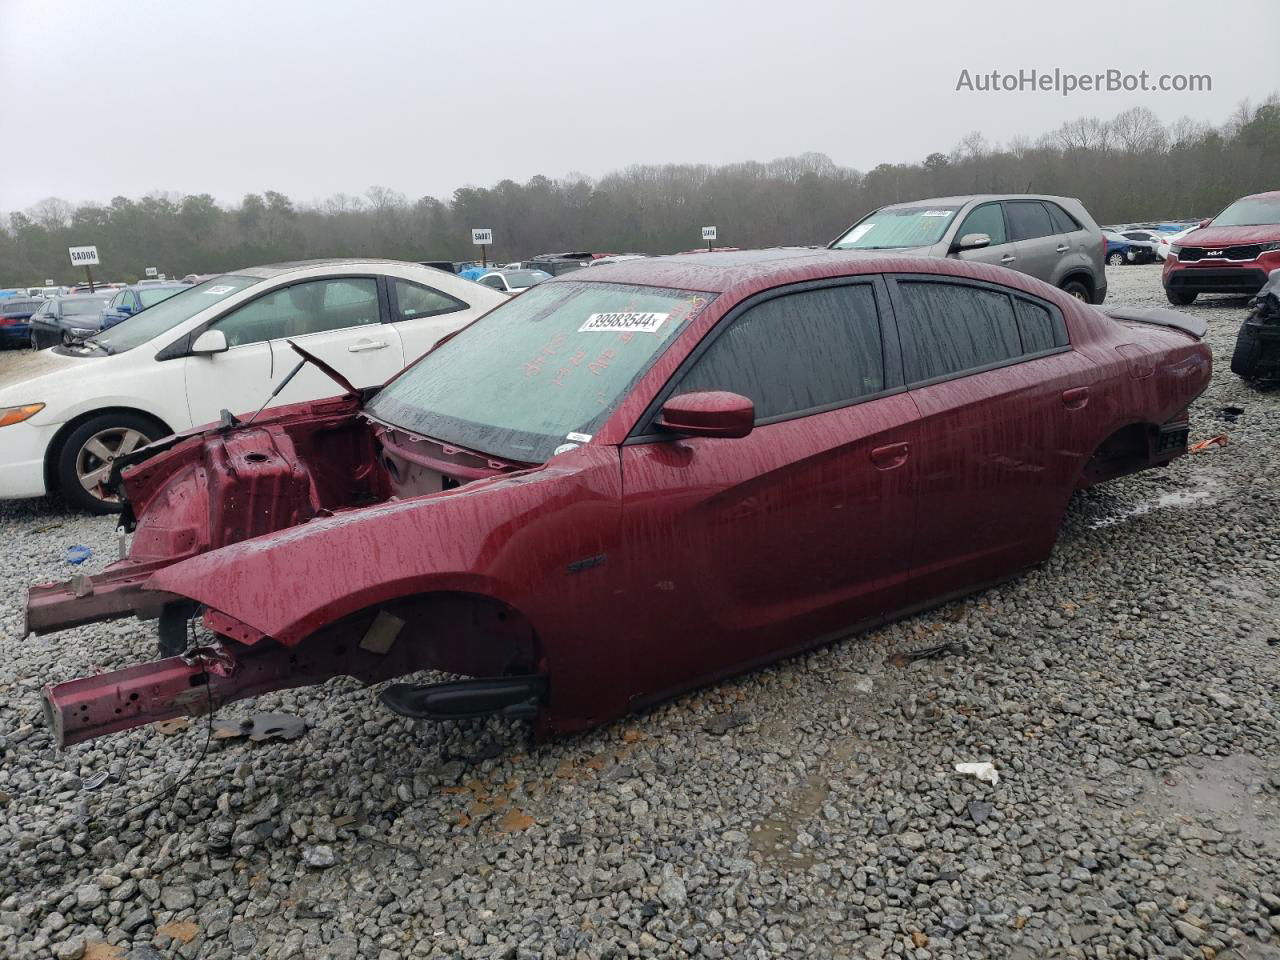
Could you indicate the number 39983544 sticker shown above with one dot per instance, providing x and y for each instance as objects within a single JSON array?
[{"x": 615, "y": 322}]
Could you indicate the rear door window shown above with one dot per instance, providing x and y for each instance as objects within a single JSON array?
[
  {"x": 1062, "y": 221},
  {"x": 1028, "y": 219},
  {"x": 950, "y": 328},
  {"x": 415, "y": 301},
  {"x": 797, "y": 352},
  {"x": 985, "y": 219}
]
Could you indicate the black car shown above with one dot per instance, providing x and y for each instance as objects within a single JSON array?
[
  {"x": 15, "y": 314},
  {"x": 67, "y": 320},
  {"x": 1257, "y": 353}
]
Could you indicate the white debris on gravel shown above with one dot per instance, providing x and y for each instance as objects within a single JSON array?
[{"x": 1125, "y": 691}]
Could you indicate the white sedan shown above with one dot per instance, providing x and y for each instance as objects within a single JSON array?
[
  {"x": 68, "y": 412},
  {"x": 512, "y": 282}
]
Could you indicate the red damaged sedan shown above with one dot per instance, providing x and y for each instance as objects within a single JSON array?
[{"x": 615, "y": 488}]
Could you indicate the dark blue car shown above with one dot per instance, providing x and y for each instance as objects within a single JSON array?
[
  {"x": 138, "y": 297},
  {"x": 15, "y": 320}
]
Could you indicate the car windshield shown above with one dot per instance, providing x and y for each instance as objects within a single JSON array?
[
  {"x": 895, "y": 227},
  {"x": 151, "y": 323},
  {"x": 1250, "y": 212},
  {"x": 81, "y": 306},
  {"x": 150, "y": 296},
  {"x": 519, "y": 279},
  {"x": 544, "y": 369}
]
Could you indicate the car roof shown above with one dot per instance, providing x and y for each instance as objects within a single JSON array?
[
  {"x": 741, "y": 272},
  {"x": 1266, "y": 195},
  {"x": 161, "y": 285},
  {"x": 270, "y": 270},
  {"x": 962, "y": 199}
]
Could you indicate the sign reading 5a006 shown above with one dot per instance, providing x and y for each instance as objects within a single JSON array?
[{"x": 83, "y": 256}]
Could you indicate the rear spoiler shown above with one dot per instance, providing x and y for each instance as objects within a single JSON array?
[{"x": 1160, "y": 317}]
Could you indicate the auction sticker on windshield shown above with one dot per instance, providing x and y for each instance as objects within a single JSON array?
[
  {"x": 218, "y": 291},
  {"x": 615, "y": 322}
]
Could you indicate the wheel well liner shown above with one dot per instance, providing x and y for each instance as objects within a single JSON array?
[{"x": 1125, "y": 450}]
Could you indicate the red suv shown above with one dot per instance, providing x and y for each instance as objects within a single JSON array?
[{"x": 1232, "y": 253}]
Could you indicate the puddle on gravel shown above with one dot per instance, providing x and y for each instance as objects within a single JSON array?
[{"x": 1175, "y": 500}]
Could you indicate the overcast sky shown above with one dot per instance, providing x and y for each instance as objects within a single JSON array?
[{"x": 106, "y": 97}]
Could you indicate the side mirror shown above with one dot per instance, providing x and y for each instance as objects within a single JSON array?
[
  {"x": 1205, "y": 222},
  {"x": 713, "y": 413},
  {"x": 973, "y": 241},
  {"x": 210, "y": 342}
]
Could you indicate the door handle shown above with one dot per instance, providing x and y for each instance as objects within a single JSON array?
[
  {"x": 890, "y": 456},
  {"x": 1008, "y": 258},
  {"x": 363, "y": 345},
  {"x": 1064, "y": 248},
  {"x": 1075, "y": 398}
]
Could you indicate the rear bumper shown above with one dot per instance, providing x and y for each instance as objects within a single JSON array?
[
  {"x": 16, "y": 333},
  {"x": 1184, "y": 278}
]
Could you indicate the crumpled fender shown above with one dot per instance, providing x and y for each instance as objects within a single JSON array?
[{"x": 499, "y": 537}]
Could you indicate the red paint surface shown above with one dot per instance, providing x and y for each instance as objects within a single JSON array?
[{"x": 706, "y": 555}]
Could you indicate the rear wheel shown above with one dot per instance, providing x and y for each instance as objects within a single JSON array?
[
  {"x": 1180, "y": 298},
  {"x": 1115, "y": 259},
  {"x": 85, "y": 459},
  {"x": 1077, "y": 289}
]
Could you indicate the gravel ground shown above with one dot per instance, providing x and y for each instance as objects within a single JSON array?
[{"x": 1125, "y": 691}]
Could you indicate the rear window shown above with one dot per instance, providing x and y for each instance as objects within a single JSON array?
[
  {"x": 80, "y": 308},
  {"x": 20, "y": 306}
]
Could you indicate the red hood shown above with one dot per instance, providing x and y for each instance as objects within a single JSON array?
[{"x": 1212, "y": 236}]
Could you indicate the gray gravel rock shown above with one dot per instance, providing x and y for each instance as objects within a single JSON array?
[{"x": 1124, "y": 689}]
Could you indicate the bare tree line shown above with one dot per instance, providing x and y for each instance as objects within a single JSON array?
[{"x": 1131, "y": 167}]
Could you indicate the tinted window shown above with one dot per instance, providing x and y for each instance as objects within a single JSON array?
[
  {"x": 1041, "y": 330},
  {"x": 797, "y": 352},
  {"x": 1027, "y": 219},
  {"x": 949, "y": 328},
  {"x": 416, "y": 300},
  {"x": 302, "y": 309},
  {"x": 1063, "y": 222},
  {"x": 985, "y": 219},
  {"x": 492, "y": 281}
]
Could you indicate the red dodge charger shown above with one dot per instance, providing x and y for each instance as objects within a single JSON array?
[{"x": 617, "y": 487}]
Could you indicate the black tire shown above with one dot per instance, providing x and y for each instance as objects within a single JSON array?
[
  {"x": 1180, "y": 298},
  {"x": 70, "y": 466},
  {"x": 1115, "y": 259},
  {"x": 1078, "y": 290},
  {"x": 35, "y": 341},
  {"x": 1248, "y": 352}
]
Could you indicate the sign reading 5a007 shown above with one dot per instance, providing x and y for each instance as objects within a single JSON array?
[{"x": 83, "y": 256}]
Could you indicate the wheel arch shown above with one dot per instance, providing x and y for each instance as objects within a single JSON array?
[
  {"x": 54, "y": 449},
  {"x": 1123, "y": 450},
  {"x": 1082, "y": 276}
]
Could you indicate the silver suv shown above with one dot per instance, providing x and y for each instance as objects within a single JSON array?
[{"x": 1051, "y": 238}]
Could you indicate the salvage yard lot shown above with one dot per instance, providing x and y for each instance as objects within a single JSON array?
[{"x": 1125, "y": 691}]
